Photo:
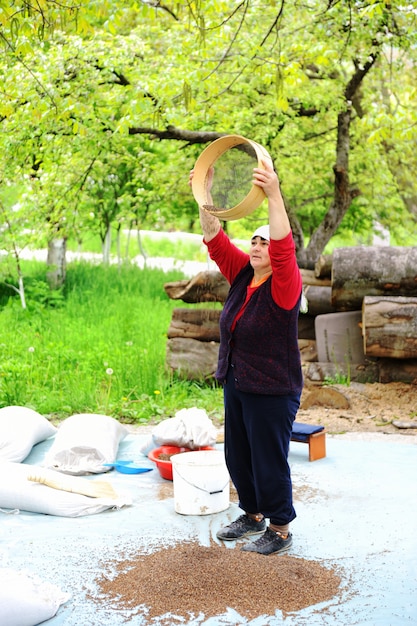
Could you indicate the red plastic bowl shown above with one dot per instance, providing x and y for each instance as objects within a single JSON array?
[{"x": 165, "y": 465}]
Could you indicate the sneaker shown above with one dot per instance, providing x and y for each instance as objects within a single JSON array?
[
  {"x": 243, "y": 526},
  {"x": 269, "y": 543}
]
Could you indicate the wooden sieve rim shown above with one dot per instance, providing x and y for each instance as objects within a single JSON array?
[{"x": 206, "y": 160}]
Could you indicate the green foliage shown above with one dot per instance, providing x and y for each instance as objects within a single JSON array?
[
  {"x": 338, "y": 379},
  {"x": 102, "y": 349},
  {"x": 87, "y": 87},
  {"x": 42, "y": 296}
]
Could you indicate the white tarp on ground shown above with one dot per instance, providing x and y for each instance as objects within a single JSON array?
[{"x": 357, "y": 510}]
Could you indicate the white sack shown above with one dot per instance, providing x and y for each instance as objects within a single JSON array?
[
  {"x": 26, "y": 600},
  {"x": 20, "y": 429},
  {"x": 84, "y": 443},
  {"x": 17, "y": 492},
  {"x": 191, "y": 428}
]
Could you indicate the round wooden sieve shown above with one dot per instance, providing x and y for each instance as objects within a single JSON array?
[{"x": 208, "y": 158}]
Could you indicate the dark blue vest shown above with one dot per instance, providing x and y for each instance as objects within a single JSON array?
[{"x": 263, "y": 348}]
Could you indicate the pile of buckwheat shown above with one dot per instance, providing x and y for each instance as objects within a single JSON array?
[{"x": 189, "y": 579}]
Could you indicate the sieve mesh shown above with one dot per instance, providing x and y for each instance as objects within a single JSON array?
[{"x": 232, "y": 180}]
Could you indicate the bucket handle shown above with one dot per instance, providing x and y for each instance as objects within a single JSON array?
[{"x": 211, "y": 493}]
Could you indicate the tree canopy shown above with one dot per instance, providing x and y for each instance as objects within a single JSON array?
[{"x": 106, "y": 105}]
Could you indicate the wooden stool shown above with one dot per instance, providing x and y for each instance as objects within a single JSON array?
[{"x": 315, "y": 436}]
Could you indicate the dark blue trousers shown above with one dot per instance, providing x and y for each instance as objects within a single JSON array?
[{"x": 257, "y": 438}]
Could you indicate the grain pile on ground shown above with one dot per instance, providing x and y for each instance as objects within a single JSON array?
[{"x": 190, "y": 579}]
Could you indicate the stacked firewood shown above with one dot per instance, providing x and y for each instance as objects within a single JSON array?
[{"x": 379, "y": 283}]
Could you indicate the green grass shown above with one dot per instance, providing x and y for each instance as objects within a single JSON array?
[{"x": 99, "y": 346}]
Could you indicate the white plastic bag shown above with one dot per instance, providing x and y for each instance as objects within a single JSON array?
[
  {"x": 26, "y": 600},
  {"x": 17, "y": 492},
  {"x": 20, "y": 429},
  {"x": 191, "y": 428},
  {"x": 84, "y": 442}
]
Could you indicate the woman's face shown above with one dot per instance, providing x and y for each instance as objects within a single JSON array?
[{"x": 259, "y": 254}]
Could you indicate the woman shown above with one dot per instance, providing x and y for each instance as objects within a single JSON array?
[{"x": 259, "y": 367}]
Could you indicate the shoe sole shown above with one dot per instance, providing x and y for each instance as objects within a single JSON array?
[{"x": 284, "y": 549}]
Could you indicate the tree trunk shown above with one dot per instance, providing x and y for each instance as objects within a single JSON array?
[
  {"x": 21, "y": 291},
  {"x": 107, "y": 246},
  {"x": 142, "y": 250},
  {"x": 372, "y": 271},
  {"x": 118, "y": 244},
  {"x": 342, "y": 192},
  {"x": 389, "y": 326},
  {"x": 56, "y": 261}
]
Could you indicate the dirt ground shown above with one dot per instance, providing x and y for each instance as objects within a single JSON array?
[
  {"x": 361, "y": 407},
  {"x": 387, "y": 408}
]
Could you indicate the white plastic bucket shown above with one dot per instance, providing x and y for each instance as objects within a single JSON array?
[{"x": 201, "y": 482}]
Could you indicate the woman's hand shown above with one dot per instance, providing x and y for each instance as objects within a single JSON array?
[
  {"x": 210, "y": 177},
  {"x": 267, "y": 179},
  {"x": 190, "y": 178}
]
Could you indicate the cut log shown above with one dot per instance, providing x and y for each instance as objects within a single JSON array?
[
  {"x": 306, "y": 328},
  {"x": 398, "y": 371},
  {"x": 389, "y": 326},
  {"x": 372, "y": 271},
  {"x": 207, "y": 286},
  {"x": 319, "y": 300},
  {"x": 308, "y": 350},
  {"x": 211, "y": 286},
  {"x": 201, "y": 324},
  {"x": 192, "y": 359},
  {"x": 309, "y": 278},
  {"x": 359, "y": 372},
  {"x": 381, "y": 370},
  {"x": 323, "y": 266}
]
